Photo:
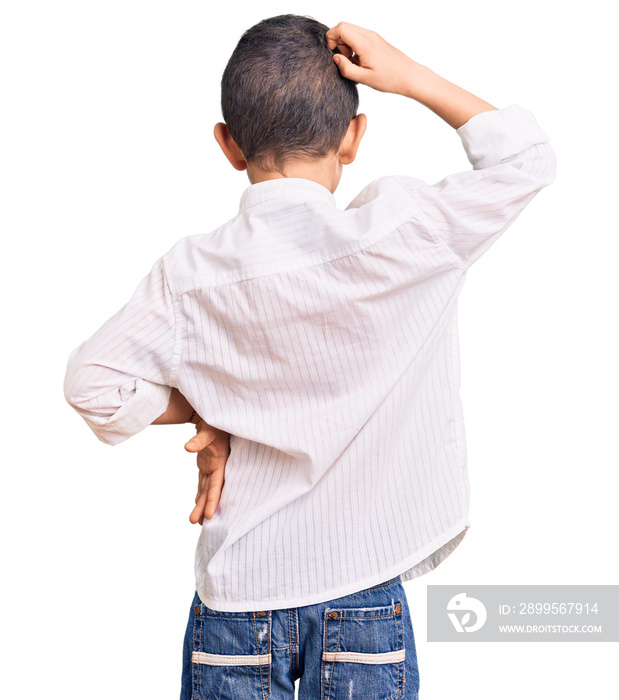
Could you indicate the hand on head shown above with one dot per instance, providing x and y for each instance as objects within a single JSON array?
[{"x": 366, "y": 58}]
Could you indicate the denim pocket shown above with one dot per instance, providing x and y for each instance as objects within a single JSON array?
[
  {"x": 363, "y": 653},
  {"x": 231, "y": 656}
]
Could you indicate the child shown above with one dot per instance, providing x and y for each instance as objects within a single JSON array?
[{"x": 325, "y": 343}]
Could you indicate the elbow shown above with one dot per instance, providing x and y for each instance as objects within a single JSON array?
[
  {"x": 543, "y": 166},
  {"x": 88, "y": 395},
  {"x": 76, "y": 395},
  {"x": 548, "y": 170},
  {"x": 74, "y": 381},
  {"x": 71, "y": 388},
  {"x": 77, "y": 388}
]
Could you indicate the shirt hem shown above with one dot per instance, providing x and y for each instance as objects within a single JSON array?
[{"x": 424, "y": 556}]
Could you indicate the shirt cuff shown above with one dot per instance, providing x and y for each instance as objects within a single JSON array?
[
  {"x": 490, "y": 137},
  {"x": 148, "y": 402}
]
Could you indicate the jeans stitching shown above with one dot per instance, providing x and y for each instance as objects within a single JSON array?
[
  {"x": 327, "y": 688},
  {"x": 194, "y": 668},
  {"x": 367, "y": 617},
  {"x": 260, "y": 664},
  {"x": 399, "y": 628},
  {"x": 337, "y": 646},
  {"x": 402, "y": 666},
  {"x": 322, "y": 663},
  {"x": 292, "y": 652},
  {"x": 385, "y": 583},
  {"x": 293, "y": 639}
]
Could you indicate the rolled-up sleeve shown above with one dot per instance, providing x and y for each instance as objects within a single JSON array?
[
  {"x": 512, "y": 161},
  {"x": 120, "y": 379}
]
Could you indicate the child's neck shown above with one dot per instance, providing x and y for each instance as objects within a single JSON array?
[{"x": 325, "y": 171}]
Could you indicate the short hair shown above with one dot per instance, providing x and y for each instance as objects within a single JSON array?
[{"x": 282, "y": 95}]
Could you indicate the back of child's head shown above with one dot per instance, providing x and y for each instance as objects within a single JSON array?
[{"x": 282, "y": 95}]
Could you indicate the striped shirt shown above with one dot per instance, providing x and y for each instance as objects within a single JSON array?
[{"x": 325, "y": 342}]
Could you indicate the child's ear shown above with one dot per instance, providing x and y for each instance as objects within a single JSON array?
[
  {"x": 350, "y": 143},
  {"x": 229, "y": 146}
]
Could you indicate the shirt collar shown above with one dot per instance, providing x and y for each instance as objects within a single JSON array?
[{"x": 288, "y": 188}]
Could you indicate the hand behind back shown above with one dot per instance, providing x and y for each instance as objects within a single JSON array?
[{"x": 213, "y": 447}]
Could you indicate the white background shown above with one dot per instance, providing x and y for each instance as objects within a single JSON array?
[{"x": 107, "y": 159}]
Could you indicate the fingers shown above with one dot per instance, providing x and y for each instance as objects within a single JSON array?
[
  {"x": 197, "y": 514},
  {"x": 211, "y": 481},
  {"x": 208, "y": 498},
  {"x": 209, "y": 436},
  {"x": 348, "y": 69},
  {"x": 200, "y": 441},
  {"x": 215, "y": 488},
  {"x": 213, "y": 448},
  {"x": 357, "y": 48},
  {"x": 348, "y": 36},
  {"x": 196, "y": 444}
]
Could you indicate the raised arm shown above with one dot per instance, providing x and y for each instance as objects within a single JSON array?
[
  {"x": 367, "y": 58},
  {"x": 511, "y": 157}
]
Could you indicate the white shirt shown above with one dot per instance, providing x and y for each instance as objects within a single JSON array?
[{"x": 325, "y": 341}]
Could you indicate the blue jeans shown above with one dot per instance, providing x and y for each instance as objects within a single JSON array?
[{"x": 358, "y": 647}]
